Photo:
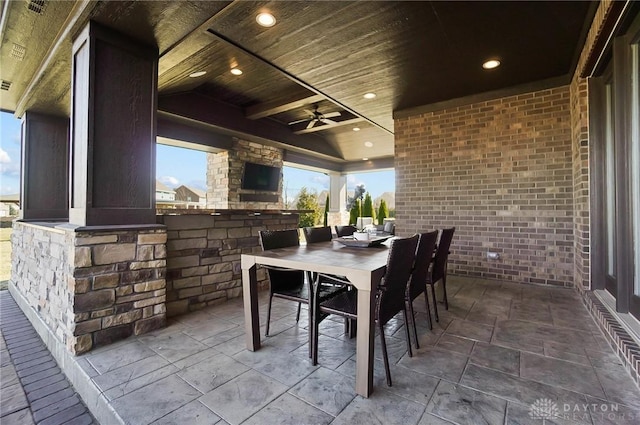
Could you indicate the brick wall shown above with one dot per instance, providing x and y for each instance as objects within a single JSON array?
[
  {"x": 500, "y": 171},
  {"x": 91, "y": 288},
  {"x": 203, "y": 255}
]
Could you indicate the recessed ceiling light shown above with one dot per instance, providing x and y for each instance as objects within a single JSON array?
[
  {"x": 490, "y": 64},
  {"x": 197, "y": 74},
  {"x": 369, "y": 95},
  {"x": 365, "y": 159},
  {"x": 236, "y": 71},
  {"x": 356, "y": 128},
  {"x": 266, "y": 19},
  {"x": 368, "y": 144}
]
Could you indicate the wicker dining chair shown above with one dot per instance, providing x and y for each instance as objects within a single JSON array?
[
  {"x": 439, "y": 269},
  {"x": 418, "y": 282},
  {"x": 323, "y": 234},
  {"x": 290, "y": 284},
  {"x": 317, "y": 234},
  {"x": 345, "y": 230},
  {"x": 389, "y": 297}
]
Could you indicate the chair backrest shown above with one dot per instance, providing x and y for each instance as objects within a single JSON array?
[
  {"x": 274, "y": 239},
  {"x": 394, "y": 283},
  {"x": 424, "y": 256},
  {"x": 317, "y": 234},
  {"x": 345, "y": 230},
  {"x": 389, "y": 227},
  {"x": 442, "y": 254}
]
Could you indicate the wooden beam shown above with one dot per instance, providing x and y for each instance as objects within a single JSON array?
[
  {"x": 230, "y": 120},
  {"x": 266, "y": 109},
  {"x": 322, "y": 127},
  {"x": 189, "y": 131}
]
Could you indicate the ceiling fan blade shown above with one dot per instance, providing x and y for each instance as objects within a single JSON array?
[
  {"x": 311, "y": 124},
  {"x": 332, "y": 114},
  {"x": 327, "y": 121},
  {"x": 310, "y": 113},
  {"x": 298, "y": 121}
]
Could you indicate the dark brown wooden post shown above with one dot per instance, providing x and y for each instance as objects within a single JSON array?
[
  {"x": 45, "y": 167},
  {"x": 113, "y": 132}
]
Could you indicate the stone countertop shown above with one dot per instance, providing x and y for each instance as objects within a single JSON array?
[{"x": 194, "y": 211}]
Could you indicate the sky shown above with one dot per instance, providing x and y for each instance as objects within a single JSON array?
[
  {"x": 178, "y": 166},
  {"x": 9, "y": 154}
]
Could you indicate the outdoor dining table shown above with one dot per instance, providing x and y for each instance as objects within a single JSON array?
[{"x": 364, "y": 267}]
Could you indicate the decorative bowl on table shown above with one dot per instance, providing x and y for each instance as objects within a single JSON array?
[
  {"x": 371, "y": 241},
  {"x": 361, "y": 236}
]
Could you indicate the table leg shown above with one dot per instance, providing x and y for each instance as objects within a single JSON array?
[
  {"x": 364, "y": 342},
  {"x": 250, "y": 299}
]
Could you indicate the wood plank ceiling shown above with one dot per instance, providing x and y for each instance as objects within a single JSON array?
[{"x": 319, "y": 59}]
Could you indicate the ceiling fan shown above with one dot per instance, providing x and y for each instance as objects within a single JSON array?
[{"x": 316, "y": 117}]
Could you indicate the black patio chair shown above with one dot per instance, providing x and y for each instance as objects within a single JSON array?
[
  {"x": 345, "y": 230},
  {"x": 290, "y": 284},
  {"x": 317, "y": 234},
  {"x": 323, "y": 234},
  {"x": 418, "y": 282},
  {"x": 439, "y": 269},
  {"x": 389, "y": 297}
]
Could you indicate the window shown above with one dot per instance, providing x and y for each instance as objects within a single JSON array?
[
  {"x": 635, "y": 159},
  {"x": 615, "y": 173}
]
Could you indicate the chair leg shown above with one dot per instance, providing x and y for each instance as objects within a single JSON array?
[
  {"x": 413, "y": 322},
  {"x": 385, "y": 355},
  {"x": 435, "y": 301},
  {"x": 314, "y": 341},
  {"x": 298, "y": 314},
  {"x": 406, "y": 326},
  {"x": 426, "y": 302},
  {"x": 353, "y": 328},
  {"x": 444, "y": 291},
  {"x": 268, "y": 314},
  {"x": 311, "y": 324}
]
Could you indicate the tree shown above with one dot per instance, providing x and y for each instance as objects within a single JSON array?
[
  {"x": 308, "y": 201},
  {"x": 354, "y": 212},
  {"x": 383, "y": 212},
  {"x": 367, "y": 208},
  {"x": 326, "y": 211}
]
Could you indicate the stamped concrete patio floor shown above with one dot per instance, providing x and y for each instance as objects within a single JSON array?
[{"x": 504, "y": 353}]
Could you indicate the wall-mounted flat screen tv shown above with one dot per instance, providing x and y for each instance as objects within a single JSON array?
[{"x": 261, "y": 177}]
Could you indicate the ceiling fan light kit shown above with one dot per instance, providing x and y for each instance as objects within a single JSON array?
[{"x": 316, "y": 117}]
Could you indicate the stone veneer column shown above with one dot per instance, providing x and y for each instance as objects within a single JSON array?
[
  {"x": 224, "y": 176},
  {"x": 338, "y": 214},
  {"x": 45, "y": 169},
  {"x": 91, "y": 287}
]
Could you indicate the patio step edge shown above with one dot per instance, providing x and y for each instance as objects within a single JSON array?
[
  {"x": 616, "y": 335},
  {"x": 93, "y": 398}
]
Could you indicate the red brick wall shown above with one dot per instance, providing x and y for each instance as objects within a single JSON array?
[{"x": 501, "y": 172}]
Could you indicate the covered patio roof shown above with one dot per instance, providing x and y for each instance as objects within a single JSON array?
[{"x": 315, "y": 63}]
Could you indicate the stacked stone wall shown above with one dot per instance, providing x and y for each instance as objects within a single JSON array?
[
  {"x": 225, "y": 171},
  {"x": 41, "y": 270},
  {"x": 203, "y": 255},
  {"x": 91, "y": 287}
]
